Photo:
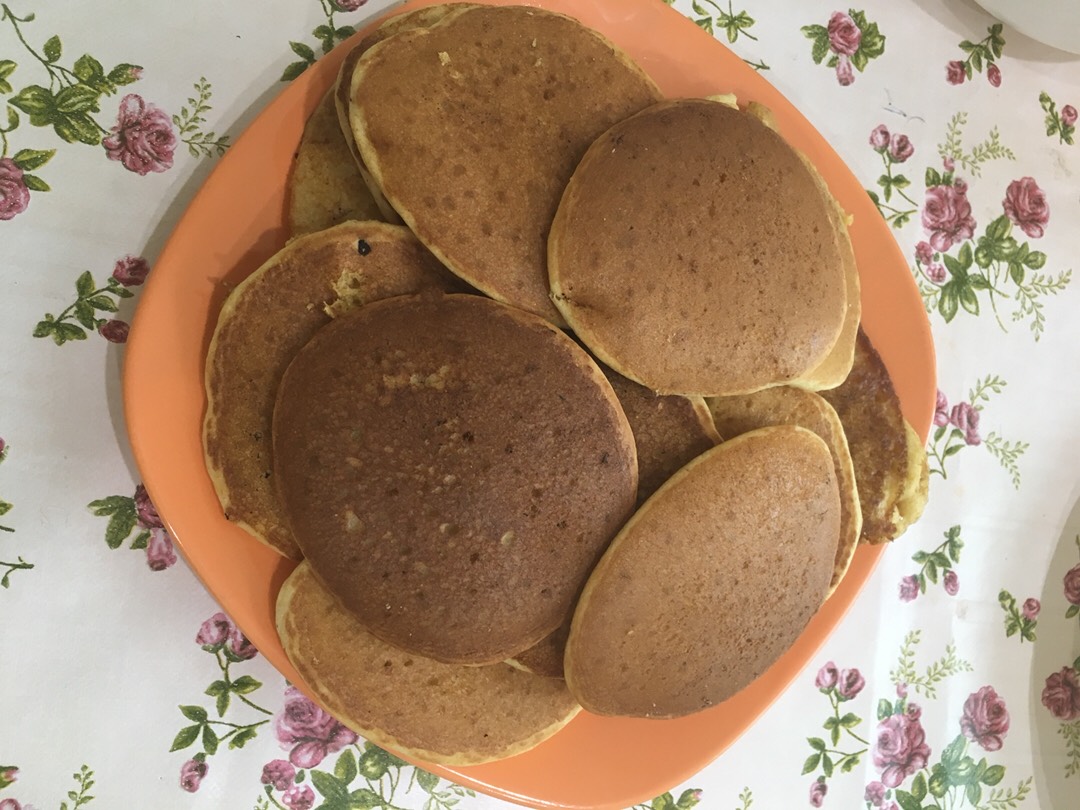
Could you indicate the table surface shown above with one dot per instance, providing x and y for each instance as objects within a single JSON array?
[{"x": 953, "y": 682}]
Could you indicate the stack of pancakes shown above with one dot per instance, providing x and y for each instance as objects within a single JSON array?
[{"x": 490, "y": 426}]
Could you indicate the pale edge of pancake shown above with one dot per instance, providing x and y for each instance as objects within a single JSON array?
[
  {"x": 916, "y": 490},
  {"x": 370, "y": 160},
  {"x": 705, "y": 418},
  {"x": 377, "y": 736},
  {"x": 612, "y": 550}
]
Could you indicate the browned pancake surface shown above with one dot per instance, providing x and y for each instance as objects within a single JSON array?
[
  {"x": 452, "y": 468},
  {"x": 444, "y": 713},
  {"x": 263, "y": 324},
  {"x": 710, "y": 581},
  {"x": 877, "y": 438},
  {"x": 472, "y": 127},
  {"x": 670, "y": 431},
  {"x": 693, "y": 252},
  {"x": 325, "y": 187}
]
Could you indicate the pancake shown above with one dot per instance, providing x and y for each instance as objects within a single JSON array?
[
  {"x": 670, "y": 431},
  {"x": 793, "y": 406},
  {"x": 694, "y": 253},
  {"x": 325, "y": 187},
  {"x": 889, "y": 460},
  {"x": 453, "y": 468},
  {"x": 420, "y": 18},
  {"x": 710, "y": 581},
  {"x": 472, "y": 127},
  {"x": 442, "y": 713},
  {"x": 263, "y": 323}
]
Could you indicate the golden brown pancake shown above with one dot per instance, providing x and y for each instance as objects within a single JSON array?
[
  {"x": 453, "y": 468},
  {"x": 694, "y": 252},
  {"x": 793, "y": 406},
  {"x": 710, "y": 581},
  {"x": 443, "y": 713},
  {"x": 472, "y": 127},
  {"x": 889, "y": 466},
  {"x": 325, "y": 187},
  {"x": 420, "y": 18},
  {"x": 264, "y": 323},
  {"x": 670, "y": 431}
]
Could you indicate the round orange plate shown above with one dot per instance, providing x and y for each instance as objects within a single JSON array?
[{"x": 237, "y": 221}]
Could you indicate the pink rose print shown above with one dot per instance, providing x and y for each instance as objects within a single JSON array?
[
  {"x": 966, "y": 417},
  {"x": 278, "y": 773},
  {"x": 1072, "y": 585},
  {"x": 874, "y": 794},
  {"x": 901, "y": 690},
  {"x": 1025, "y": 204},
  {"x": 146, "y": 511},
  {"x": 951, "y": 582},
  {"x": 900, "y": 749},
  {"x": 143, "y": 139},
  {"x": 818, "y": 789},
  {"x": 1061, "y": 695},
  {"x": 827, "y": 677},
  {"x": 11, "y": 804},
  {"x": 160, "y": 553},
  {"x": 946, "y": 216},
  {"x": 891, "y": 806},
  {"x": 879, "y": 138},
  {"x": 847, "y": 43},
  {"x": 913, "y": 711},
  {"x": 941, "y": 409},
  {"x": 985, "y": 720},
  {"x": 14, "y": 195},
  {"x": 954, "y": 72},
  {"x": 192, "y": 773},
  {"x": 900, "y": 148},
  {"x": 924, "y": 254},
  {"x": 241, "y": 646},
  {"x": 347, "y": 5},
  {"x": 131, "y": 271},
  {"x": 850, "y": 684},
  {"x": 1031, "y": 609},
  {"x": 935, "y": 271},
  {"x": 312, "y": 733},
  {"x": 909, "y": 588},
  {"x": 993, "y": 75},
  {"x": 1068, "y": 115},
  {"x": 299, "y": 797},
  {"x": 114, "y": 331},
  {"x": 844, "y": 35},
  {"x": 214, "y": 631}
]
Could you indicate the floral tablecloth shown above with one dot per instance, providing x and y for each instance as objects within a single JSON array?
[{"x": 954, "y": 681}]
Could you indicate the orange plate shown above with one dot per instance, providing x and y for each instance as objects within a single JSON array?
[{"x": 237, "y": 221}]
